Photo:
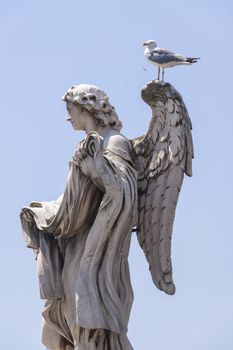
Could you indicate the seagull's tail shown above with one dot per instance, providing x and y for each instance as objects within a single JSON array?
[{"x": 192, "y": 59}]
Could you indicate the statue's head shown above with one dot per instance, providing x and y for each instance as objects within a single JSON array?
[{"x": 94, "y": 100}]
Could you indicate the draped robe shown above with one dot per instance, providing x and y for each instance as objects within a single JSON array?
[{"x": 82, "y": 243}]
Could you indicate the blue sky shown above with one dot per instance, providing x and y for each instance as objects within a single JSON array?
[{"x": 47, "y": 46}]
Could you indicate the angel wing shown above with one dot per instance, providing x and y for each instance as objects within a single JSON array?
[{"x": 162, "y": 156}]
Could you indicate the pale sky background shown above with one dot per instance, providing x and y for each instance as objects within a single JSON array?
[{"x": 47, "y": 46}]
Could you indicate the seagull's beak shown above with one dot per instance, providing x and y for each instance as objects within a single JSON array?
[{"x": 144, "y": 44}]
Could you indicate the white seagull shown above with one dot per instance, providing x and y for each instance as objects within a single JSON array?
[{"x": 165, "y": 58}]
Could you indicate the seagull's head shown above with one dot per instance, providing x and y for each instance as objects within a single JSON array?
[{"x": 151, "y": 44}]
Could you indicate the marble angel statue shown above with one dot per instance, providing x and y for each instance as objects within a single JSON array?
[{"x": 115, "y": 186}]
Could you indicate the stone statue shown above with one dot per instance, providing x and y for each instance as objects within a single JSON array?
[{"x": 115, "y": 186}]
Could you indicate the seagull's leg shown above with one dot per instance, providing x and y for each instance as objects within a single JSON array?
[
  {"x": 158, "y": 72},
  {"x": 163, "y": 74}
]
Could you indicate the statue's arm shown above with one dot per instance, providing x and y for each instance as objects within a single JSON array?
[
  {"x": 87, "y": 165},
  {"x": 93, "y": 156}
]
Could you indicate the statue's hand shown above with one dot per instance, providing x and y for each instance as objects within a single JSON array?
[
  {"x": 85, "y": 156},
  {"x": 85, "y": 162},
  {"x": 79, "y": 155},
  {"x": 27, "y": 215}
]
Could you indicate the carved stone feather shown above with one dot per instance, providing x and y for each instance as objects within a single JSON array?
[{"x": 162, "y": 156}]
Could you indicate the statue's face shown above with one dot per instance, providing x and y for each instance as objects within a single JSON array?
[{"x": 76, "y": 115}]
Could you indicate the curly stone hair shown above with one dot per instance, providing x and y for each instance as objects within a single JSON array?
[{"x": 95, "y": 101}]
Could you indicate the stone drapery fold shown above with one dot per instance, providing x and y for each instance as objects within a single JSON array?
[{"x": 82, "y": 244}]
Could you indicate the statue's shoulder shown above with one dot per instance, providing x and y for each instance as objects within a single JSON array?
[{"x": 117, "y": 140}]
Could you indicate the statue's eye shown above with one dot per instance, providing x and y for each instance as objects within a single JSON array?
[
  {"x": 92, "y": 98},
  {"x": 104, "y": 105},
  {"x": 84, "y": 98}
]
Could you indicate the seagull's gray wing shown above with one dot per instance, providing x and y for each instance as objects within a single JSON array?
[
  {"x": 162, "y": 51},
  {"x": 162, "y": 56}
]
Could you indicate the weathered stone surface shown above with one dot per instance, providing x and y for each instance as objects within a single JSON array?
[{"x": 82, "y": 239}]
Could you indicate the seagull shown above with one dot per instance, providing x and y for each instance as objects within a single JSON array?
[{"x": 165, "y": 58}]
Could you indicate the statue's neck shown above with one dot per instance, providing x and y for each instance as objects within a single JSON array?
[{"x": 102, "y": 131}]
